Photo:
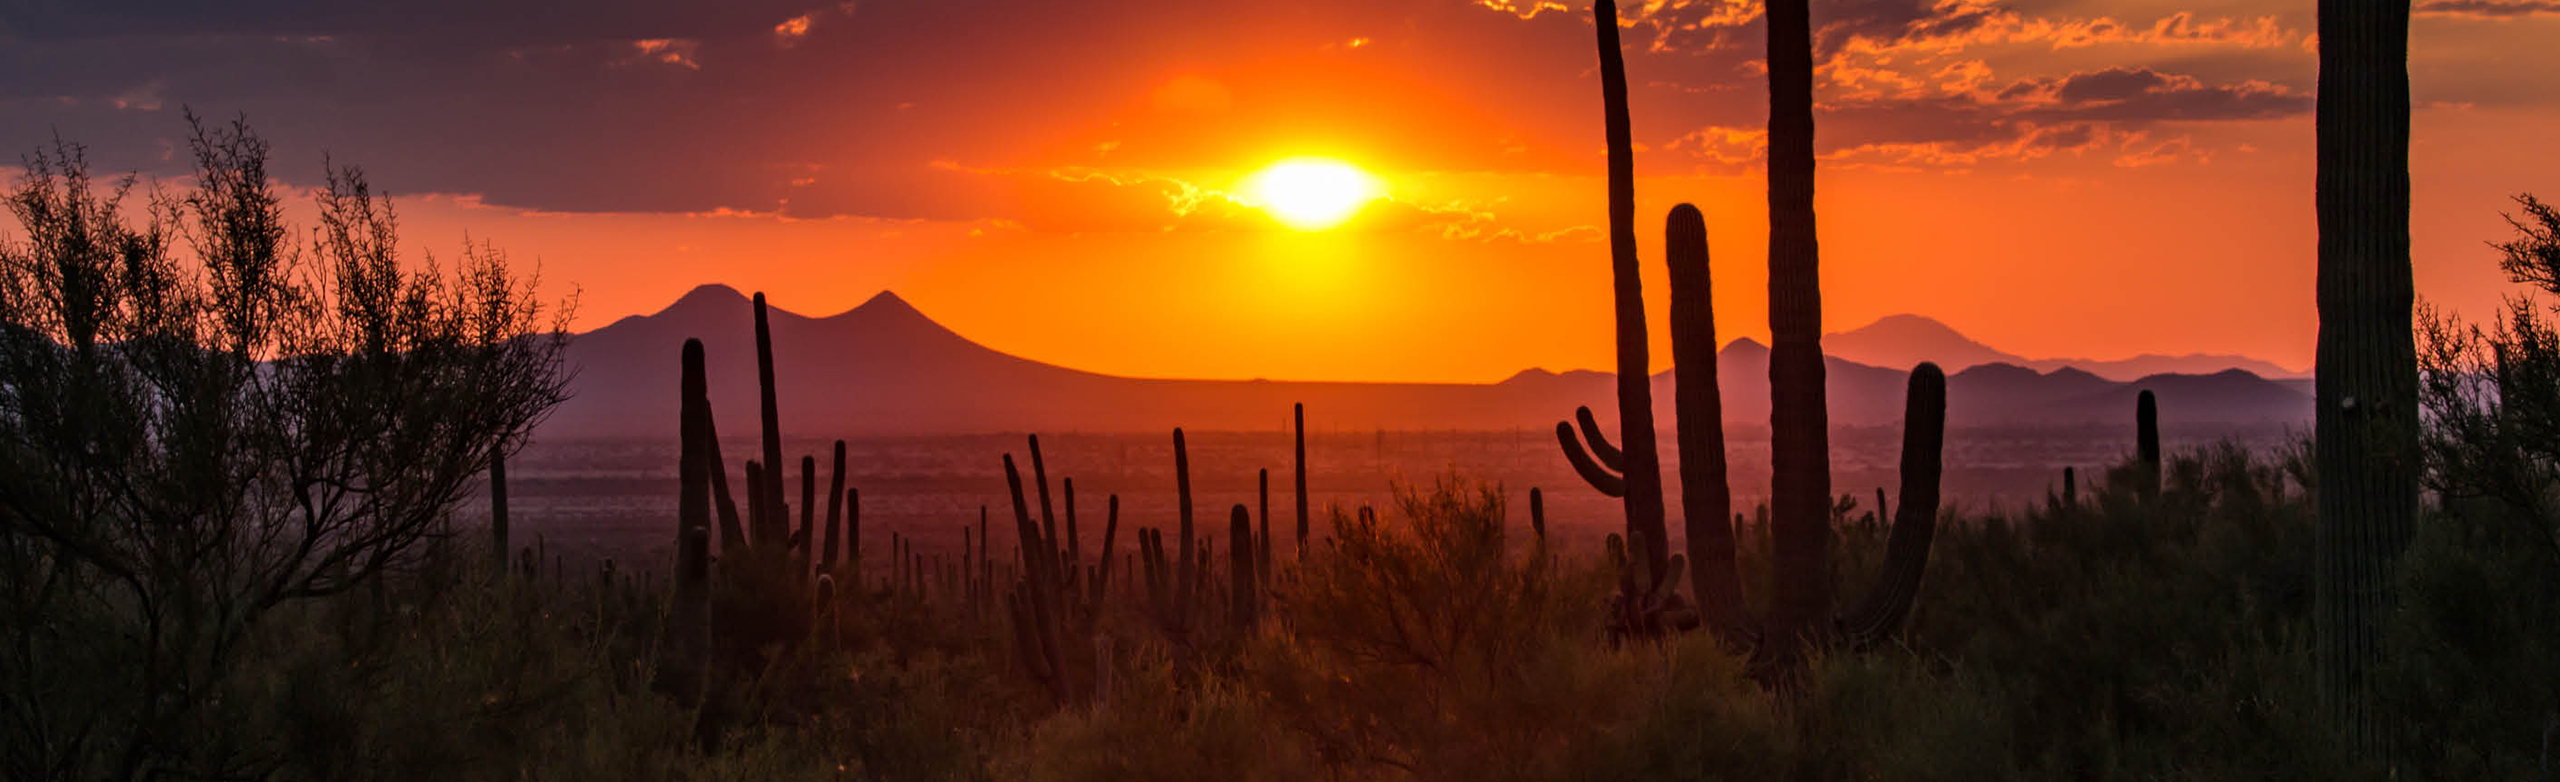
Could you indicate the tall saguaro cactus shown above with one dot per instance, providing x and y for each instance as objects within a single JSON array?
[
  {"x": 1298, "y": 423},
  {"x": 2366, "y": 429},
  {"x": 1799, "y": 423},
  {"x": 693, "y": 495},
  {"x": 835, "y": 511},
  {"x": 498, "y": 503},
  {"x": 1639, "y": 466},
  {"x": 2146, "y": 444},
  {"x": 766, "y": 496},
  {"x": 1705, "y": 496}
]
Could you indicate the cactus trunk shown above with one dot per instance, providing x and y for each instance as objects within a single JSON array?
[
  {"x": 1799, "y": 423},
  {"x": 1642, "y": 471},
  {"x": 2366, "y": 428},
  {"x": 1906, "y": 550},
  {"x": 835, "y": 511},
  {"x": 1705, "y": 495},
  {"x": 2146, "y": 439},
  {"x": 1240, "y": 567},
  {"x": 498, "y": 503},
  {"x": 1298, "y": 423},
  {"x": 693, "y": 499},
  {"x": 767, "y": 501}
]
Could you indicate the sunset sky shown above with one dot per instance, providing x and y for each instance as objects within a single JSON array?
[{"x": 1068, "y": 181}]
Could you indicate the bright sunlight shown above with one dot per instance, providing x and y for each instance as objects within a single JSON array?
[{"x": 1311, "y": 194}]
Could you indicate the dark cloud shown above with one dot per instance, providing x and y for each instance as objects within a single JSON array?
[
  {"x": 448, "y": 23},
  {"x": 902, "y": 108},
  {"x": 2141, "y": 96},
  {"x": 2487, "y": 9}
]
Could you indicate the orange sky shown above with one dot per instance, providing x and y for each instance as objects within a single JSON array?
[{"x": 2051, "y": 178}]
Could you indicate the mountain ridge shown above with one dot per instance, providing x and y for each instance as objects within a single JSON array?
[{"x": 886, "y": 367}]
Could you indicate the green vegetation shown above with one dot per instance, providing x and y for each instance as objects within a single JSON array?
[{"x": 2116, "y": 639}]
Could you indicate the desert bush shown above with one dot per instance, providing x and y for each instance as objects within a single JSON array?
[
  {"x": 1429, "y": 641},
  {"x": 204, "y": 421}
]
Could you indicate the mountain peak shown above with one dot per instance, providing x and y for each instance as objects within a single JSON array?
[
  {"x": 1905, "y": 339},
  {"x": 887, "y": 301},
  {"x": 707, "y": 295}
]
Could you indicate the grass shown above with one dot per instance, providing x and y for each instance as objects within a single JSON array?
[{"x": 2116, "y": 639}]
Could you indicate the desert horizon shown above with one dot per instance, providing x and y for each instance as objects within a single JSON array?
[{"x": 1359, "y": 390}]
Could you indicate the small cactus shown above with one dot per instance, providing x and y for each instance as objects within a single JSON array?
[
  {"x": 1240, "y": 568},
  {"x": 498, "y": 503},
  {"x": 835, "y": 511},
  {"x": 1298, "y": 424},
  {"x": 2146, "y": 438}
]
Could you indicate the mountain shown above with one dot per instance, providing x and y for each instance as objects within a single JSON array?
[
  {"x": 2149, "y": 364},
  {"x": 886, "y": 368},
  {"x": 1902, "y": 341}
]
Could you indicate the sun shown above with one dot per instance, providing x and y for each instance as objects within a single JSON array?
[{"x": 1311, "y": 194}]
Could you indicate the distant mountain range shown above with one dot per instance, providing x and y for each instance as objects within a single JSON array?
[
  {"x": 1907, "y": 340},
  {"x": 886, "y": 368}
]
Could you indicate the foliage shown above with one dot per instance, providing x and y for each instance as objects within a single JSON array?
[{"x": 195, "y": 440}]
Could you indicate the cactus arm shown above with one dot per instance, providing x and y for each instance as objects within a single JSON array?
[
  {"x": 1601, "y": 451},
  {"x": 733, "y": 535},
  {"x": 1038, "y": 586},
  {"x": 1592, "y": 473}
]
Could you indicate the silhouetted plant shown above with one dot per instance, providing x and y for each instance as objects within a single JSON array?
[
  {"x": 204, "y": 420},
  {"x": 2146, "y": 439},
  {"x": 1633, "y": 471},
  {"x": 2366, "y": 424}
]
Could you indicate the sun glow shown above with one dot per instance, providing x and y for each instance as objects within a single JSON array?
[{"x": 1311, "y": 194}]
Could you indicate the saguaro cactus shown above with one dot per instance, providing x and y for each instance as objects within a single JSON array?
[
  {"x": 1537, "y": 513},
  {"x": 1705, "y": 496},
  {"x": 1639, "y": 480},
  {"x": 805, "y": 540},
  {"x": 1188, "y": 569},
  {"x": 768, "y": 494},
  {"x": 2365, "y": 432},
  {"x": 1298, "y": 423},
  {"x": 1906, "y": 557},
  {"x": 1262, "y": 554},
  {"x": 1799, "y": 422},
  {"x": 835, "y": 511},
  {"x": 498, "y": 503},
  {"x": 1240, "y": 567},
  {"x": 1033, "y": 603},
  {"x": 2146, "y": 439},
  {"x": 693, "y": 497}
]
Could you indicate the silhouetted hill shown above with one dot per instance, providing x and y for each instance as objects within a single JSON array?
[
  {"x": 1902, "y": 341},
  {"x": 886, "y": 368}
]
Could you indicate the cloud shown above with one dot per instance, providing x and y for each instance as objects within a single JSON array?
[
  {"x": 2487, "y": 9},
  {"x": 2141, "y": 95}
]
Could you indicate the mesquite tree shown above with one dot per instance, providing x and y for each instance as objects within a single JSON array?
[{"x": 205, "y": 417}]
